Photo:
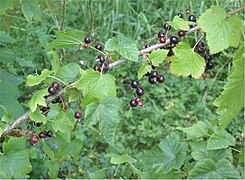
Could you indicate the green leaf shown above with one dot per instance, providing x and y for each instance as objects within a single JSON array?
[
  {"x": 48, "y": 151},
  {"x": 62, "y": 123},
  {"x": 5, "y": 5},
  {"x": 106, "y": 113},
  {"x": 220, "y": 139},
  {"x": 96, "y": 86},
  {"x": 6, "y": 39},
  {"x": 7, "y": 117},
  {"x": 187, "y": 62},
  {"x": 32, "y": 80},
  {"x": 37, "y": 116},
  {"x": 180, "y": 24},
  {"x": 120, "y": 159},
  {"x": 241, "y": 159},
  {"x": 55, "y": 61},
  {"x": 208, "y": 169},
  {"x": 34, "y": 152},
  {"x": 126, "y": 47},
  {"x": 38, "y": 99},
  {"x": 145, "y": 67},
  {"x": 10, "y": 77},
  {"x": 14, "y": 161},
  {"x": 222, "y": 31},
  {"x": 69, "y": 72},
  {"x": 200, "y": 152},
  {"x": 73, "y": 94},
  {"x": 31, "y": 10},
  {"x": 170, "y": 154},
  {"x": 195, "y": 131},
  {"x": 160, "y": 175},
  {"x": 53, "y": 168},
  {"x": 231, "y": 101},
  {"x": 66, "y": 39},
  {"x": 158, "y": 56}
]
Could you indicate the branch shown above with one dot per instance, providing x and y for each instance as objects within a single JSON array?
[{"x": 236, "y": 10}]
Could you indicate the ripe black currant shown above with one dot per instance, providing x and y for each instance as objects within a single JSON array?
[
  {"x": 42, "y": 134},
  {"x": 140, "y": 91},
  {"x": 101, "y": 58},
  {"x": 87, "y": 40},
  {"x": 181, "y": 33},
  {"x": 174, "y": 39},
  {"x": 154, "y": 74},
  {"x": 152, "y": 80},
  {"x": 133, "y": 103},
  {"x": 161, "y": 34},
  {"x": 210, "y": 65},
  {"x": 56, "y": 85},
  {"x": 51, "y": 90},
  {"x": 162, "y": 39},
  {"x": 192, "y": 18},
  {"x": 180, "y": 15},
  {"x": 166, "y": 26},
  {"x": 147, "y": 45},
  {"x": 135, "y": 84},
  {"x": 49, "y": 133},
  {"x": 34, "y": 139},
  {"x": 78, "y": 115},
  {"x": 160, "y": 78},
  {"x": 99, "y": 47},
  {"x": 208, "y": 57}
]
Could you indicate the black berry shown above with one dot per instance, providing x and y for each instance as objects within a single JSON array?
[
  {"x": 140, "y": 91},
  {"x": 87, "y": 40},
  {"x": 160, "y": 79},
  {"x": 180, "y": 15},
  {"x": 154, "y": 74},
  {"x": 101, "y": 58},
  {"x": 133, "y": 103},
  {"x": 135, "y": 84},
  {"x": 38, "y": 124},
  {"x": 49, "y": 133},
  {"x": 210, "y": 65},
  {"x": 192, "y": 18},
  {"x": 42, "y": 134},
  {"x": 99, "y": 47},
  {"x": 78, "y": 115},
  {"x": 56, "y": 85},
  {"x": 174, "y": 39},
  {"x": 166, "y": 26},
  {"x": 51, "y": 90},
  {"x": 161, "y": 34},
  {"x": 208, "y": 57},
  {"x": 152, "y": 80},
  {"x": 181, "y": 33},
  {"x": 147, "y": 45},
  {"x": 34, "y": 139}
]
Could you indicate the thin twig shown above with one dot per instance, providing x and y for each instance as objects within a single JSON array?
[{"x": 236, "y": 10}]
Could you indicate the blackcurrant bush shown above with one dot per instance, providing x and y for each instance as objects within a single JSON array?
[
  {"x": 166, "y": 26},
  {"x": 135, "y": 84},
  {"x": 181, "y": 33},
  {"x": 78, "y": 115},
  {"x": 56, "y": 85},
  {"x": 85, "y": 46},
  {"x": 49, "y": 133},
  {"x": 147, "y": 45},
  {"x": 152, "y": 80},
  {"x": 210, "y": 65},
  {"x": 162, "y": 39},
  {"x": 133, "y": 103},
  {"x": 51, "y": 90},
  {"x": 140, "y": 91},
  {"x": 180, "y": 15},
  {"x": 192, "y": 18},
  {"x": 99, "y": 47},
  {"x": 87, "y": 40},
  {"x": 154, "y": 74},
  {"x": 161, "y": 34},
  {"x": 34, "y": 139},
  {"x": 174, "y": 39},
  {"x": 160, "y": 78},
  {"x": 42, "y": 134},
  {"x": 101, "y": 58}
]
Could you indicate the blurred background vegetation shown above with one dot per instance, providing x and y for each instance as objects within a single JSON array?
[{"x": 178, "y": 102}]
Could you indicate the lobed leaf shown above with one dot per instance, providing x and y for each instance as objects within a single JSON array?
[{"x": 32, "y": 80}]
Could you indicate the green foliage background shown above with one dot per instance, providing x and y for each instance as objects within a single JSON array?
[{"x": 180, "y": 102}]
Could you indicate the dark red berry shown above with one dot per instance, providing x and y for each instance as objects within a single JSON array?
[
  {"x": 42, "y": 134},
  {"x": 135, "y": 84},
  {"x": 56, "y": 85},
  {"x": 187, "y": 11},
  {"x": 63, "y": 106},
  {"x": 161, "y": 34},
  {"x": 51, "y": 90},
  {"x": 181, "y": 33},
  {"x": 152, "y": 80},
  {"x": 192, "y": 18},
  {"x": 140, "y": 103},
  {"x": 162, "y": 39},
  {"x": 34, "y": 139},
  {"x": 160, "y": 79},
  {"x": 49, "y": 134},
  {"x": 174, "y": 39},
  {"x": 210, "y": 65},
  {"x": 140, "y": 91},
  {"x": 180, "y": 15},
  {"x": 147, "y": 45},
  {"x": 87, "y": 40},
  {"x": 137, "y": 100},
  {"x": 99, "y": 47},
  {"x": 133, "y": 103},
  {"x": 78, "y": 115},
  {"x": 200, "y": 49},
  {"x": 166, "y": 26},
  {"x": 85, "y": 46},
  {"x": 154, "y": 74},
  {"x": 101, "y": 58}
]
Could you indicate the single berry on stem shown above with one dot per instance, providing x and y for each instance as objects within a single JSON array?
[
  {"x": 208, "y": 57},
  {"x": 162, "y": 39},
  {"x": 137, "y": 100},
  {"x": 181, "y": 33},
  {"x": 42, "y": 134},
  {"x": 135, "y": 84},
  {"x": 78, "y": 115},
  {"x": 152, "y": 80},
  {"x": 101, "y": 58},
  {"x": 85, "y": 46},
  {"x": 154, "y": 74},
  {"x": 174, "y": 39},
  {"x": 133, "y": 103},
  {"x": 192, "y": 18},
  {"x": 160, "y": 79},
  {"x": 166, "y": 26},
  {"x": 180, "y": 15},
  {"x": 56, "y": 85},
  {"x": 49, "y": 133},
  {"x": 87, "y": 40},
  {"x": 99, "y": 47},
  {"x": 51, "y": 90},
  {"x": 161, "y": 34},
  {"x": 34, "y": 139},
  {"x": 140, "y": 91},
  {"x": 210, "y": 65}
]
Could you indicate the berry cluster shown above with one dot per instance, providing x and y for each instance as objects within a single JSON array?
[
  {"x": 42, "y": 135},
  {"x": 139, "y": 92},
  {"x": 87, "y": 41},
  {"x": 154, "y": 77},
  {"x": 103, "y": 66},
  {"x": 209, "y": 63},
  {"x": 53, "y": 88}
]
